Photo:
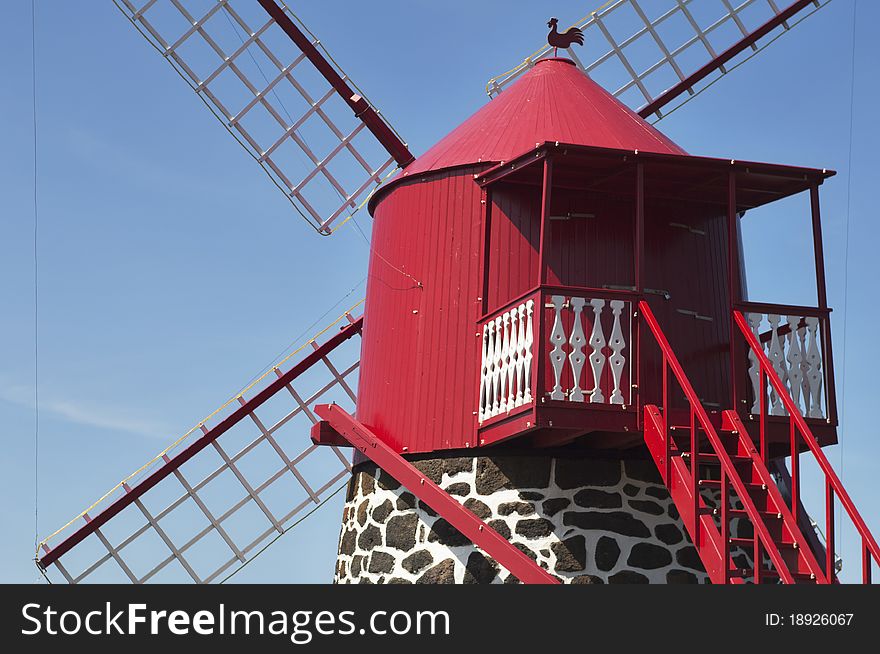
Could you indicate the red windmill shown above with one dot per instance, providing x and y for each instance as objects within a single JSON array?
[{"x": 553, "y": 387}]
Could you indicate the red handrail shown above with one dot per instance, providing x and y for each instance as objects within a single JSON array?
[
  {"x": 728, "y": 472},
  {"x": 833, "y": 486}
]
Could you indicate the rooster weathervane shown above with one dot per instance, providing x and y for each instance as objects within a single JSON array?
[{"x": 566, "y": 39}]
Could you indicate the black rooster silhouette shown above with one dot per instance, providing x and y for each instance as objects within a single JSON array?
[{"x": 565, "y": 40}]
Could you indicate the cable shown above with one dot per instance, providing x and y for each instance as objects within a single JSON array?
[
  {"x": 852, "y": 94},
  {"x": 36, "y": 284},
  {"x": 272, "y": 542}
]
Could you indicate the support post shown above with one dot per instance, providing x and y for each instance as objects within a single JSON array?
[
  {"x": 822, "y": 298},
  {"x": 734, "y": 289},
  {"x": 544, "y": 243},
  {"x": 639, "y": 250}
]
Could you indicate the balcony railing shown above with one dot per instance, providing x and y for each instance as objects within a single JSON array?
[
  {"x": 796, "y": 340},
  {"x": 560, "y": 345}
]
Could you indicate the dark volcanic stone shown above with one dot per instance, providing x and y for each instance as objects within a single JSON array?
[
  {"x": 479, "y": 569},
  {"x": 398, "y": 580},
  {"x": 369, "y": 538},
  {"x": 646, "y": 506},
  {"x": 381, "y": 512},
  {"x": 356, "y": 564},
  {"x": 642, "y": 470},
  {"x": 457, "y": 464},
  {"x": 427, "y": 509},
  {"x": 597, "y": 499},
  {"x": 649, "y": 556},
  {"x": 365, "y": 580},
  {"x": 627, "y": 577},
  {"x": 681, "y": 577},
  {"x": 362, "y": 512},
  {"x": 445, "y": 534},
  {"x": 459, "y": 488},
  {"x": 527, "y": 551},
  {"x": 571, "y": 554},
  {"x": 406, "y": 501},
  {"x": 501, "y": 527},
  {"x": 688, "y": 558},
  {"x": 401, "y": 531},
  {"x": 417, "y": 561},
  {"x": 672, "y": 511},
  {"x": 574, "y": 473},
  {"x": 351, "y": 489},
  {"x": 631, "y": 490},
  {"x": 531, "y": 497},
  {"x": 510, "y": 579},
  {"x": 368, "y": 481},
  {"x": 387, "y": 482},
  {"x": 656, "y": 491},
  {"x": 431, "y": 468},
  {"x": 499, "y": 472},
  {"x": 523, "y": 508},
  {"x": 669, "y": 534},
  {"x": 381, "y": 562},
  {"x": 616, "y": 521},
  {"x": 348, "y": 541},
  {"x": 534, "y": 528},
  {"x": 442, "y": 573},
  {"x": 554, "y": 505},
  {"x": 478, "y": 508},
  {"x": 607, "y": 553},
  {"x": 587, "y": 579}
]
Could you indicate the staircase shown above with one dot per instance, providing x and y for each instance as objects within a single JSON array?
[{"x": 718, "y": 477}]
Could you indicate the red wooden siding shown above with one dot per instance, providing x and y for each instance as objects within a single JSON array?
[{"x": 420, "y": 356}]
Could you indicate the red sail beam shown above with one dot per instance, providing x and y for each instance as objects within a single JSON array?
[
  {"x": 668, "y": 96},
  {"x": 481, "y": 534},
  {"x": 362, "y": 109},
  {"x": 212, "y": 434}
]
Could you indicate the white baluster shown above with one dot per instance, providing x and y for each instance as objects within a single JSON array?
[
  {"x": 617, "y": 344},
  {"x": 814, "y": 376},
  {"x": 496, "y": 370},
  {"x": 805, "y": 368},
  {"x": 577, "y": 357},
  {"x": 520, "y": 354},
  {"x": 505, "y": 361},
  {"x": 557, "y": 354},
  {"x": 777, "y": 358},
  {"x": 528, "y": 344},
  {"x": 754, "y": 367},
  {"x": 794, "y": 358},
  {"x": 597, "y": 358},
  {"x": 484, "y": 373},
  {"x": 511, "y": 363}
]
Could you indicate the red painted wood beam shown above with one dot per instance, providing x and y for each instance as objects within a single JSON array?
[
  {"x": 667, "y": 96},
  {"x": 481, "y": 534},
  {"x": 362, "y": 109},
  {"x": 198, "y": 445}
]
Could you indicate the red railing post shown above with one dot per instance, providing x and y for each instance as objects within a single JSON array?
[
  {"x": 725, "y": 522},
  {"x": 795, "y": 470},
  {"x": 829, "y": 530}
]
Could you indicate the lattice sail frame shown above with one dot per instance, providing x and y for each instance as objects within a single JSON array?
[
  {"x": 267, "y": 94},
  {"x": 159, "y": 525},
  {"x": 641, "y": 53}
]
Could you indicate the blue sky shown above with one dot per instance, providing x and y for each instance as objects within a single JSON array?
[{"x": 171, "y": 271}]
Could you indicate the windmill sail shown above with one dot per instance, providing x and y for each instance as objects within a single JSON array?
[
  {"x": 203, "y": 507},
  {"x": 650, "y": 54},
  {"x": 280, "y": 94}
]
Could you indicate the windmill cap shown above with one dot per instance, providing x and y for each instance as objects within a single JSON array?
[{"x": 555, "y": 101}]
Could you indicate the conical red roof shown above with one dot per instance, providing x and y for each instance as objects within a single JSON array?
[{"x": 554, "y": 101}]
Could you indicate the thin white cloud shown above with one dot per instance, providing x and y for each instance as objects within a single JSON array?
[{"x": 83, "y": 413}]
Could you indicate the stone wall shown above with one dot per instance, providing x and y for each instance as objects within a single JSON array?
[{"x": 586, "y": 520}]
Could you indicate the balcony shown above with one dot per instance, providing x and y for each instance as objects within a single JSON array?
[
  {"x": 551, "y": 355},
  {"x": 561, "y": 362}
]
